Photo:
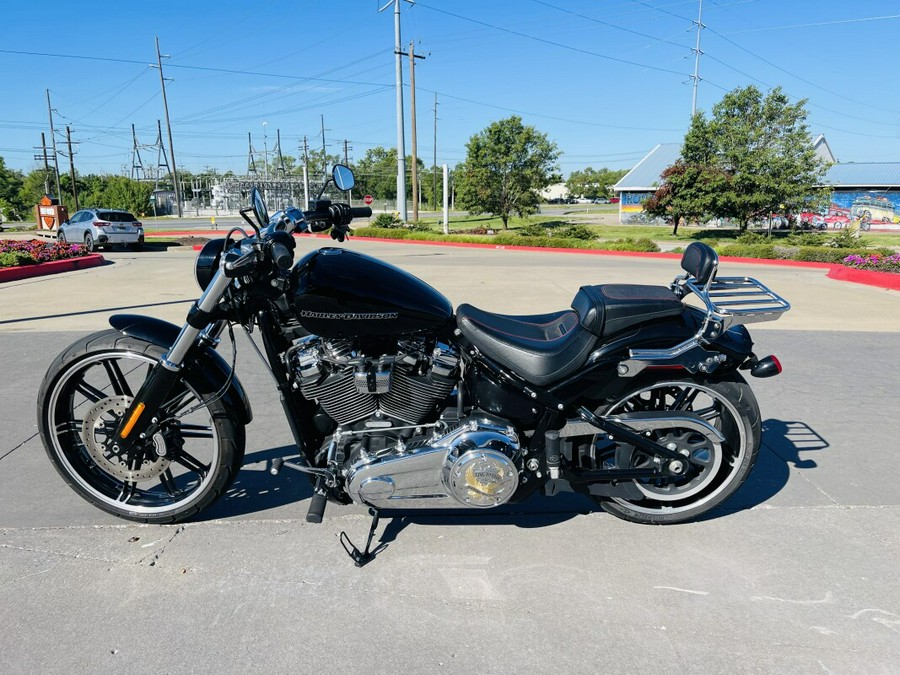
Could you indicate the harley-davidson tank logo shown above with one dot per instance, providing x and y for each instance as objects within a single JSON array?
[{"x": 349, "y": 316}]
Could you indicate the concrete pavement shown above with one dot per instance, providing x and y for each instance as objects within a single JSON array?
[{"x": 795, "y": 574}]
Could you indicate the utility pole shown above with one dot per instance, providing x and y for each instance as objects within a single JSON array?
[
  {"x": 162, "y": 82},
  {"x": 72, "y": 167},
  {"x": 324, "y": 154},
  {"x": 401, "y": 145},
  {"x": 305, "y": 174},
  {"x": 434, "y": 164},
  {"x": 53, "y": 140},
  {"x": 696, "y": 76},
  {"x": 43, "y": 156},
  {"x": 412, "y": 103},
  {"x": 347, "y": 163}
]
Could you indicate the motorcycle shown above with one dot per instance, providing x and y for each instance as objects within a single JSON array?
[{"x": 633, "y": 395}]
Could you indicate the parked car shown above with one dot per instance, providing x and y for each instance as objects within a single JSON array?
[
  {"x": 582, "y": 200},
  {"x": 613, "y": 200},
  {"x": 102, "y": 227},
  {"x": 601, "y": 200}
]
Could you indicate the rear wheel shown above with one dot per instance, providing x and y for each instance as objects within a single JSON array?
[
  {"x": 186, "y": 465},
  {"x": 89, "y": 245},
  {"x": 718, "y": 467}
]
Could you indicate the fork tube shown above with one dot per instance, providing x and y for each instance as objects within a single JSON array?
[{"x": 207, "y": 302}]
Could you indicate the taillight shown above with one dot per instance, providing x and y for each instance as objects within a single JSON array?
[
  {"x": 766, "y": 367},
  {"x": 101, "y": 224}
]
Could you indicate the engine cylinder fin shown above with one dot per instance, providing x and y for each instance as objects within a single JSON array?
[
  {"x": 412, "y": 397},
  {"x": 339, "y": 397}
]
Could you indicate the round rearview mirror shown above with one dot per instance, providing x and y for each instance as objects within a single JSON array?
[
  {"x": 343, "y": 177},
  {"x": 259, "y": 207}
]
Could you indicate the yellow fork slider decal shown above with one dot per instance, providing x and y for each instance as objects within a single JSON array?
[{"x": 132, "y": 420}]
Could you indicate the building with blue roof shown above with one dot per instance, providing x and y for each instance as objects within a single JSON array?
[{"x": 865, "y": 191}]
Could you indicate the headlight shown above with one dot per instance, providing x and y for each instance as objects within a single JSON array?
[{"x": 208, "y": 261}]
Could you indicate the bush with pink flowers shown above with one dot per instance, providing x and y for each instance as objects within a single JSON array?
[
  {"x": 874, "y": 262},
  {"x": 16, "y": 253}
]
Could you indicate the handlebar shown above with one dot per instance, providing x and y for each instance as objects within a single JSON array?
[
  {"x": 281, "y": 255},
  {"x": 360, "y": 212}
]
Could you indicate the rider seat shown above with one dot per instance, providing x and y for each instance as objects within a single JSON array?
[{"x": 544, "y": 348}]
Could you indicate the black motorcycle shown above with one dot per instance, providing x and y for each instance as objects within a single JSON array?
[{"x": 632, "y": 396}]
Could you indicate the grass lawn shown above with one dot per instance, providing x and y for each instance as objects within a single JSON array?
[{"x": 686, "y": 235}]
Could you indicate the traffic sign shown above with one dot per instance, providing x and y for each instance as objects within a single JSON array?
[{"x": 367, "y": 199}]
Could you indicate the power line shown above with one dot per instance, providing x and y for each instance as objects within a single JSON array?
[
  {"x": 551, "y": 42},
  {"x": 819, "y": 23}
]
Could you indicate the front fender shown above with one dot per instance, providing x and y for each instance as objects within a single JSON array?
[{"x": 205, "y": 363}]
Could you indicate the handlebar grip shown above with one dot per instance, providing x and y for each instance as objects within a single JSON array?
[
  {"x": 360, "y": 211},
  {"x": 281, "y": 256}
]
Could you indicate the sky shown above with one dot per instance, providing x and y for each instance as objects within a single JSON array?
[{"x": 606, "y": 80}]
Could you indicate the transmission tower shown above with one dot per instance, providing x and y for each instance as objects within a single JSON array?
[
  {"x": 161, "y": 159},
  {"x": 137, "y": 165}
]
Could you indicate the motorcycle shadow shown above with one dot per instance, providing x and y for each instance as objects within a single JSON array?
[
  {"x": 255, "y": 489},
  {"x": 783, "y": 441}
]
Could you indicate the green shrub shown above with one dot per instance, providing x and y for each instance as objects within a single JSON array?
[
  {"x": 845, "y": 239},
  {"x": 15, "y": 259},
  {"x": 419, "y": 227},
  {"x": 582, "y": 232},
  {"x": 533, "y": 230},
  {"x": 834, "y": 255},
  {"x": 766, "y": 251},
  {"x": 380, "y": 232},
  {"x": 751, "y": 238},
  {"x": 386, "y": 220},
  {"x": 641, "y": 245},
  {"x": 806, "y": 239}
]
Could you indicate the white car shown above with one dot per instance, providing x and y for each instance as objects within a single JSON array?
[{"x": 102, "y": 227}]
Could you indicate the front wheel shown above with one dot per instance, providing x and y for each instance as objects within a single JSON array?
[
  {"x": 186, "y": 465},
  {"x": 719, "y": 467}
]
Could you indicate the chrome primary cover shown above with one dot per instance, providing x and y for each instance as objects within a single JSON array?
[{"x": 476, "y": 465}]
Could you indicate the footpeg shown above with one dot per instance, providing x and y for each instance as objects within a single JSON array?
[{"x": 317, "y": 504}]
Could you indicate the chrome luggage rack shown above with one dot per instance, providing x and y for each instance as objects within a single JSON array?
[{"x": 732, "y": 301}]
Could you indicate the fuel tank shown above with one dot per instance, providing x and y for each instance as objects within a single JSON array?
[{"x": 343, "y": 294}]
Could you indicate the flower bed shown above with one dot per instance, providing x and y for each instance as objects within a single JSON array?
[
  {"x": 18, "y": 253},
  {"x": 874, "y": 262}
]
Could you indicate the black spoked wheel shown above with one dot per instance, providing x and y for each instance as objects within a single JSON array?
[
  {"x": 718, "y": 463},
  {"x": 89, "y": 245},
  {"x": 188, "y": 463}
]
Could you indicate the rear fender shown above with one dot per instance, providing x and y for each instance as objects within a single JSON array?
[
  {"x": 599, "y": 378},
  {"x": 204, "y": 363}
]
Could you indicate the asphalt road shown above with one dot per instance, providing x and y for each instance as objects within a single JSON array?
[{"x": 797, "y": 573}]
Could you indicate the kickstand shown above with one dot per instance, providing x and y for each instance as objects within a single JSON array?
[{"x": 361, "y": 558}]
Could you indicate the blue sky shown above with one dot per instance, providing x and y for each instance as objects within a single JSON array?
[{"x": 605, "y": 80}]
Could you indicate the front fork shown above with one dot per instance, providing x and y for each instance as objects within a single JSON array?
[{"x": 140, "y": 420}]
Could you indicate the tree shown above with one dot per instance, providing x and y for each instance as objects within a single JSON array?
[
  {"x": 377, "y": 173},
  {"x": 752, "y": 158},
  {"x": 507, "y": 165},
  {"x": 10, "y": 186},
  {"x": 593, "y": 183},
  {"x": 688, "y": 192}
]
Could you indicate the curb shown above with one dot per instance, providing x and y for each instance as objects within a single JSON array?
[
  {"x": 887, "y": 280},
  {"x": 837, "y": 272},
  {"x": 54, "y": 267}
]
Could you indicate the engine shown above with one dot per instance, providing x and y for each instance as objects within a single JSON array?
[
  {"x": 397, "y": 443},
  {"x": 351, "y": 386}
]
